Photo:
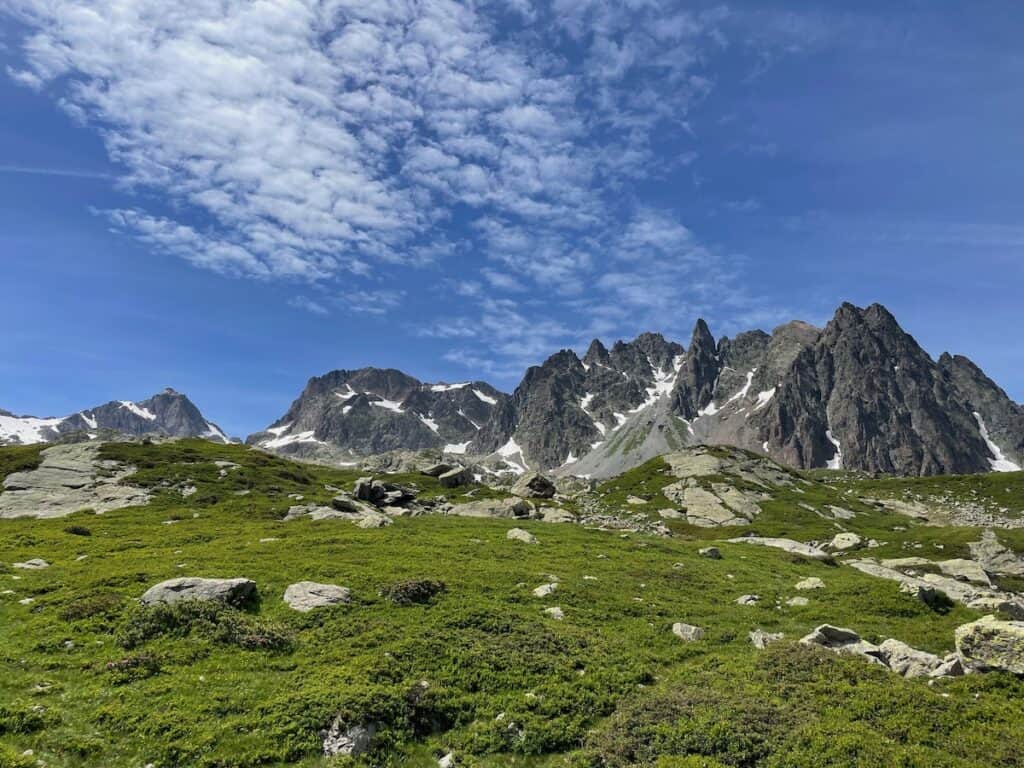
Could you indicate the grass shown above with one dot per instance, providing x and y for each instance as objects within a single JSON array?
[{"x": 88, "y": 678}]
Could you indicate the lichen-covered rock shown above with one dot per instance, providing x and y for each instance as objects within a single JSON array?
[
  {"x": 992, "y": 644},
  {"x": 343, "y": 739}
]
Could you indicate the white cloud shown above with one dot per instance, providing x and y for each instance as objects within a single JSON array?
[{"x": 307, "y": 304}]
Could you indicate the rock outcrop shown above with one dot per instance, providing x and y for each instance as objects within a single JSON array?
[{"x": 236, "y": 592}]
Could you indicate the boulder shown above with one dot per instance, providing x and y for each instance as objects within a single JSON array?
[
  {"x": 513, "y": 509},
  {"x": 812, "y": 582},
  {"x": 456, "y": 477},
  {"x": 842, "y": 640},
  {"x": 555, "y": 613},
  {"x": 687, "y": 632},
  {"x": 518, "y": 534},
  {"x": 534, "y": 485},
  {"x": 712, "y": 553},
  {"x": 748, "y": 600},
  {"x": 786, "y": 545},
  {"x": 342, "y": 739},
  {"x": 907, "y": 661},
  {"x": 992, "y": 644},
  {"x": 556, "y": 515},
  {"x": 797, "y": 602},
  {"x": 761, "y": 639},
  {"x": 436, "y": 470},
  {"x": 234, "y": 592},
  {"x": 307, "y": 595},
  {"x": 843, "y": 542},
  {"x": 545, "y": 589}
]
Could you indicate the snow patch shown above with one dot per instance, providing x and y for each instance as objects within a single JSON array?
[
  {"x": 664, "y": 382},
  {"x": 27, "y": 429},
  {"x": 746, "y": 387},
  {"x": 302, "y": 437},
  {"x": 138, "y": 410},
  {"x": 429, "y": 422},
  {"x": 836, "y": 462},
  {"x": 448, "y": 387},
  {"x": 391, "y": 405},
  {"x": 764, "y": 446},
  {"x": 463, "y": 415},
  {"x": 998, "y": 462},
  {"x": 508, "y": 451},
  {"x": 708, "y": 410},
  {"x": 457, "y": 447},
  {"x": 214, "y": 433},
  {"x": 486, "y": 398},
  {"x": 621, "y": 418},
  {"x": 278, "y": 431},
  {"x": 570, "y": 459},
  {"x": 90, "y": 420},
  {"x": 600, "y": 427},
  {"x": 763, "y": 398}
]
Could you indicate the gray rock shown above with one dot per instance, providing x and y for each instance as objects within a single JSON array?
[
  {"x": 35, "y": 564},
  {"x": 304, "y": 596},
  {"x": 518, "y": 534},
  {"x": 786, "y": 545},
  {"x": 456, "y": 477},
  {"x": 544, "y": 589},
  {"x": 534, "y": 485},
  {"x": 555, "y": 515},
  {"x": 351, "y": 740},
  {"x": 842, "y": 640},
  {"x": 70, "y": 478},
  {"x": 797, "y": 602},
  {"x": 907, "y": 661},
  {"x": 687, "y": 632},
  {"x": 748, "y": 600},
  {"x": 996, "y": 558},
  {"x": 234, "y": 592},
  {"x": 812, "y": 582},
  {"x": 761, "y": 639},
  {"x": 846, "y": 541},
  {"x": 964, "y": 570},
  {"x": 992, "y": 644},
  {"x": 712, "y": 553},
  {"x": 436, "y": 470},
  {"x": 514, "y": 509},
  {"x": 555, "y": 612}
]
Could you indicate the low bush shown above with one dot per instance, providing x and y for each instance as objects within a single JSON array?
[{"x": 413, "y": 591}]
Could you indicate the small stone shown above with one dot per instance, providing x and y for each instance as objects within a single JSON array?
[
  {"x": 797, "y": 602},
  {"x": 35, "y": 564},
  {"x": 762, "y": 639},
  {"x": 544, "y": 590},
  {"x": 748, "y": 600},
  {"x": 555, "y": 612},
  {"x": 711, "y": 553}
]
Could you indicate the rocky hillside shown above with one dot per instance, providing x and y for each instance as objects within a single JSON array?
[
  {"x": 374, "y": 410},
  {"x": 858, "y": 394},
  {"x": 167, "y": 414}
]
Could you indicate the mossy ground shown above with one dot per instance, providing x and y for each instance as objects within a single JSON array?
[{"x": 609, "y": 686}]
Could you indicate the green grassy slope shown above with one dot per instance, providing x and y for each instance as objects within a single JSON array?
[{"x": 89, "y": 679}]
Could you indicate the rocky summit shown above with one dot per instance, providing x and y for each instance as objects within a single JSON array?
[
  {"x": 166, "y": 414},
  {"x": 859, "y": 394}
]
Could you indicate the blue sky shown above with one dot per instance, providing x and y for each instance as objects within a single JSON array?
[{"x": 227, "y": 196}]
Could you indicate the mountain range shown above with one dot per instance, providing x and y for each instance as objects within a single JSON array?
[{"x": 858, "y": 394}]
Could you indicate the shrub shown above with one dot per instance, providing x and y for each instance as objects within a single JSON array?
[
  {"x": 103, "y": 604},
  {"x": 413, "y": 591},
  {"x": 11, "y": 759},
  {"x": 78, "y": 530},
  {"x": 213, "y": 621},
  {"x": 132, "y": 668},
  {"x": 21, "y": 720}
]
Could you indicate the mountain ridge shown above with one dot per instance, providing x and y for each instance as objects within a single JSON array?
[{"x": 859, "y": 393}]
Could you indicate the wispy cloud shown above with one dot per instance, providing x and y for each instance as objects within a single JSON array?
[
  {"x": 308, "y": 305},
  {"x": 68, "y": 172}
]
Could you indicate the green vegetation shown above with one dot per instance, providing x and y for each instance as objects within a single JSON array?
[
  {"x": 444, "y": 647},
  {"x": 18, "y": 459}
]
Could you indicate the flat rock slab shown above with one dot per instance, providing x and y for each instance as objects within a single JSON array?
[
  {"x": 35, "y": 564},
  {"x": 70, "y": 478},
  {"x": 509, "y": 509},
  {"x": 304, "y": 596},
  {"x": 786, "y": 545},
  {"x": 687, "y": 632},
  {"x": 228, "y": 591}
]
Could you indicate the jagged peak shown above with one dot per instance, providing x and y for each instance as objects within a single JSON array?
[{"x": 701, "y": 340}]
